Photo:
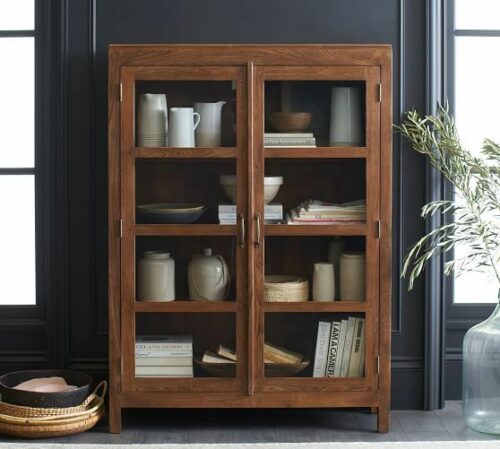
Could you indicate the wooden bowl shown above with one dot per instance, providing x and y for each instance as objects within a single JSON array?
[
  {"x": 290, "y": 121},
  {"x": 272, "y": 369}
]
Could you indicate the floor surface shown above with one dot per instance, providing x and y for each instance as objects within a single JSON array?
[{"x": 247, "y": 426}]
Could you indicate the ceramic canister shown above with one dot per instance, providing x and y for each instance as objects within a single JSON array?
[
  {"x": 156, "y": 277},
  {"x": 352, "y": 276},
  {"x": 208, "y": 277},
  {"x": 323, "y": 282}
]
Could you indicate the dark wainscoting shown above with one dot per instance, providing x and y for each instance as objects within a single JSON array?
[{"x": 88, "y": 27}]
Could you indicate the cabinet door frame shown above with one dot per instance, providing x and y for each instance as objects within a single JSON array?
[
  {"x": 371, "y": 75},
  {"x": 128, "y": 76}
]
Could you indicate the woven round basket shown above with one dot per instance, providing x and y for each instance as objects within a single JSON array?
[
  {"x": 282, "y": 288},
  {"x": 32, "y": 422}
]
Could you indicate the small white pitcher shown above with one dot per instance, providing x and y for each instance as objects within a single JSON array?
[
  {"x": 182, "y": 127},
  {"x": 208, "y": 133}
]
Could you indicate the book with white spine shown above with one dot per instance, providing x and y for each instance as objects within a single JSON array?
[
  {"x": 340, "y": 351},
  {"x": 333, "y": 349},
  {"x": 164, "y": 342},
  {"x": 344, "y": 367},
  {"x": 359, "y": 331},
  {"x": 184, "y": 371},
  {"x": 322, "y": 343},
  {"x": 163, "y": 361}
]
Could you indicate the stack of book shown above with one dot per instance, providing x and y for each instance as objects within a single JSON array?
[
  {"x": 319, "y": 212},
  {"x": 277, "y": 140},
  {"x": 273, "y": 214},
  {"x": 340, "y": 348},
  {"x": 272, "y": 354},
  {"x": 164, "y": 356}
]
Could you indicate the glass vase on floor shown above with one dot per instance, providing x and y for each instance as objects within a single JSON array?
[{"x": 481, "y": 375}]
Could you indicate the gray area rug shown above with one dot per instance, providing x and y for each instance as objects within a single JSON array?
[{"x": 315, "y": 445}]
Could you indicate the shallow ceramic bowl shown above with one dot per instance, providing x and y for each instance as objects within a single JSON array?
[
  {"x": 62, "y": 399},
  {"x": 170, "y": 213},
  {"x": 290, "y": 121},
  {"x": 272, "y": 186}
]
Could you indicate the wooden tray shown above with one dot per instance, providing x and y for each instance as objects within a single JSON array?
[{"x": 271, "y": 369}]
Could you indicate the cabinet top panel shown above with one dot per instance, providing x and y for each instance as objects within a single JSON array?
[{"x": 271, "y": 54}]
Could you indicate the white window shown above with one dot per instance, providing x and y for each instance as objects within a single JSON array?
[
  {"x": 476, "y": 51},
  {"x": 17, "y": 152}
]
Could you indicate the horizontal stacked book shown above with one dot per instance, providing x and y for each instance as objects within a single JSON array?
[
  {"x": 277, "y": 140},
  {"x": 164, "y": 356},
  {"x": 340, "y": 348},
  {"x": 319, "y": 212},
  {"x": 273, "y": 214}
]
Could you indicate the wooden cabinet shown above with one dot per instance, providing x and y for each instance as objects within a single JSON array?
[{"x": 253, "y": 80}]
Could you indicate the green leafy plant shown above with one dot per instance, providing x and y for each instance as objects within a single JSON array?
[{"x": 475, "y": 212}]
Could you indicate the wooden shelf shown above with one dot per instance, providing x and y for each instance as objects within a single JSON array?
[
  {"x": 318, "y": 152},
  {"x": 184, "y": 306},
  {"x": 315, "y": 230},
  {"x": 179, "y": 230},
  {"x": 185, "y": 153},
  {"x": 316, "y": 306}
]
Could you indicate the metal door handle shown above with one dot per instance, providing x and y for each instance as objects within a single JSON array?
[
  {"x": 242, "y": 230},
  {"x": 257, "y": 220}
]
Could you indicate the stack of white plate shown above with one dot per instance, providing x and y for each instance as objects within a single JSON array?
[{"x": 152, "y": 122}]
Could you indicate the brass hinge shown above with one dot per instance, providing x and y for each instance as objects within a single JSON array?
[
  {"x": 121, "y": 92},
  {"x": 379, "y": 229},
  {"x": 121, "y": 228},
  {"x": 379, "y": 99},
  {"x": 378, "y": 364}
]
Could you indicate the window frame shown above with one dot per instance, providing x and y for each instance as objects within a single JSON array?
[{"x": 34, "y": 311}]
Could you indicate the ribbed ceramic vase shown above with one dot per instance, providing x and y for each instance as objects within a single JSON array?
[{"x": 481, "y": 375}]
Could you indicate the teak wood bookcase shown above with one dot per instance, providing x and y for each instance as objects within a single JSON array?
[{"x": 254, "y": 80}]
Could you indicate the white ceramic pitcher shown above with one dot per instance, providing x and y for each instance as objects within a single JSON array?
[
  {"x": 208, "y": 134},
  {"x": 183, "y": 122}
]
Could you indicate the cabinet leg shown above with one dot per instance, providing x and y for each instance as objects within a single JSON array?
[
  {"x": 115, "y": 418},
  {"x": 383, "y": 419}
]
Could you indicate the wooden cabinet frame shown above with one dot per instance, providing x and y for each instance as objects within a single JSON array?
[{"x": 249, "y": 66}]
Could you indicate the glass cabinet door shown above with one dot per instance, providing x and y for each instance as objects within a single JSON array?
[
  {"x": 183, "y": 203},
  {"x": 315, "y": 210}
]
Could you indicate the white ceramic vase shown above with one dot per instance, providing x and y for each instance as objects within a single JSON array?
[
  {"x": 208, "y": 277},
  {"x": 156, "y": 277},
  {"x": 208, "y": 132},
  {"x": 346, "y": 117},
  {"x": 323, "y": 282},
  {"x": 352, "y": 276}
]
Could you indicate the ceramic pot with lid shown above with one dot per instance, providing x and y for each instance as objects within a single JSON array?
[
  {"x": 156, "y": 277},
  {"x": 208, "y": 277}
]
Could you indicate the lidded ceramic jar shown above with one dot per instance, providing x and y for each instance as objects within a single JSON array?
[
  {"x": 156, "y": 277},
  {"x": 352, "y": 276},
  {"x": 208, "y": 277}
]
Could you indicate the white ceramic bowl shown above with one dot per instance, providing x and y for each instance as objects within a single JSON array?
[{"x": 272, "y": 186}]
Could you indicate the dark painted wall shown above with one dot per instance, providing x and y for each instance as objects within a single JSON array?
[{"x": 92, "y": 26}]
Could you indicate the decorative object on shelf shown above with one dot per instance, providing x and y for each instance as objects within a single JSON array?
[
  {"x": 69, "y": 398},
  {"x": 278, "y": 140},
  {"x": 183, "y": 123},
  {"x": 282, "y": 288},
  {"x": 208, "y": 277},
  {"x": 335, "y": 249},
  {"x": 272, "y": 186},
  {"x": 152, "y": 120},
  {"x": 323, "y": 282},
  {"x": 273, "y": 214},
  {"x": 39, "y": 422},
  {"x": 476, "y": 220},
  {"x": 290, "y": 121},
  {"x": 156, "y": 277},
  {"x": 208, "y": 132},
  {"x": 352, "y": 276},
  {"x": 318, "y": 212},
  {"x": 170, "y": 213},
  {"x": 346, "y": 117},
  {"x": 164, "y": 356}
]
